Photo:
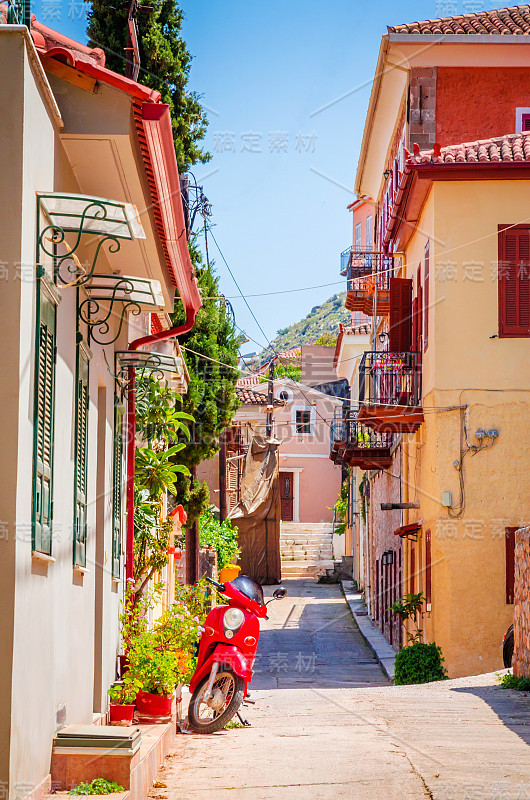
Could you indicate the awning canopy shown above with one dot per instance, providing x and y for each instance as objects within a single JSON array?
[
  {"x": 96, "y": 215},
  {"x": 408, "y": 531}
]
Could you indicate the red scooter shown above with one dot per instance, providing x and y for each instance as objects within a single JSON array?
[{"x": 226, "y": 654}]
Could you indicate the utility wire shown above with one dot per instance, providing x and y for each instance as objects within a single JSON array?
[{"x": 240, "y": 292}]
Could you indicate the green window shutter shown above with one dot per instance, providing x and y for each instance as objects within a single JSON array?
[
  {"x": 117, "y": 489},
  {"x": 80, "y": 457},
  {"x": 43, "y": 424}
]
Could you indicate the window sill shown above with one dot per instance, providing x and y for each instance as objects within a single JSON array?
[
  {"x": 115, "y": 580},
  {"x": 42, "y": 557},
  {"x": 80, "y": 570}
]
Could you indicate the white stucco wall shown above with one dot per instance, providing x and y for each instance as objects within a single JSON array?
[{"x": 47, "y": 625}]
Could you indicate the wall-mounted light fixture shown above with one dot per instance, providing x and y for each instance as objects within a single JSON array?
[{"x": 387, "y": 173}]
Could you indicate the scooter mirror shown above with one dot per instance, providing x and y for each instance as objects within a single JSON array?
[{"x": 280, "y": 592}]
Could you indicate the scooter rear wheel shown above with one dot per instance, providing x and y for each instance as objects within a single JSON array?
[{"x": 228, "y": 691}]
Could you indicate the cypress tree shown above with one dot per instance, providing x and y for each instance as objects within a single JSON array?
[
  {"x": 165, "y": 63},
  {"x": 211, "y": 397}
]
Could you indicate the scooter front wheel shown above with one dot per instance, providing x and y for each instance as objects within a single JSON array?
[{"x": 211, "y": 715}]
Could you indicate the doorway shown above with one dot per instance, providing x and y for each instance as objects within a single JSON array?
[{"x": 287, "y": 496}]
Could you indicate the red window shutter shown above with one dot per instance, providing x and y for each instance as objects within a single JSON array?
[
  {"x": 412, "y": 582},
  {"x": 400, "y": 339},
  {"x": 510, "y": 563},
  {"x": 419, "y": 312},
  {"x": 426, "y": 300},
  {"x": 526, "y": 122},
  {"x": 514, "y": 281},
  {"x": 428, "y": 567},
  {"x": 377, "y": 589}
]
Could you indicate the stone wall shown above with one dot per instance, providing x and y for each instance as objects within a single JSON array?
[
  {"x": 521, "y": 653},
  {"x": 423, "y": 107}
]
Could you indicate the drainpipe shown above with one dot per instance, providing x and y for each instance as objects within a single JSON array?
[{"x": 172, "y": 333}]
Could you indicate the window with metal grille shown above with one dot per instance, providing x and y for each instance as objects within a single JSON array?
[
  {"x": 117, "y": 489},
  {"x": 514, "y": 281},
  {"x": 43, "y": 424},
  {"x": 303, "y": 422},
  {"x": 80, "y": 456}
]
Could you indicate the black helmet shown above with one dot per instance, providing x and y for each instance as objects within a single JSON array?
[{"x": 249, "y": 587}]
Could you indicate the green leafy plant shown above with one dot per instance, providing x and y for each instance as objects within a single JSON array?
[
  {"x": 151, "y": 540},
  {"x": 364, "y": 494},
  {"x": 233, "y": 723},
  {"x": 518, "y": 682},
  {"x": 97, "y": 786},
  {"x": 160, "y": 657},
  {"x": 222, "y": 536},
  {"x": 408, "y": 607},
  {"x": 420, "y": 662},
  {"x": 124, "y": 693},
  {"x": 156, "y": 472},
  {"x": 341, "y": 507},
  {"x": 157, "y": 418}
]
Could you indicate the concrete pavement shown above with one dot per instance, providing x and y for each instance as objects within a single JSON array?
[{"x": 328, "y": 724}]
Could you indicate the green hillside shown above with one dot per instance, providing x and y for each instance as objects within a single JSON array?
[{"x": 321, "y": 319}]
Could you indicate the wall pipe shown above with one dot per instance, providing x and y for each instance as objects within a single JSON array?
[{"x": 171, "y": 333}]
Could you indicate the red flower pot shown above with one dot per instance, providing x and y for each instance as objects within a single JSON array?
[
  {"x": 121, "y": 713},
  {"x": 153, "y": 705}
]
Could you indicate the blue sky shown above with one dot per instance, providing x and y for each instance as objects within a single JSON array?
[{"x": 282, "y": 170}]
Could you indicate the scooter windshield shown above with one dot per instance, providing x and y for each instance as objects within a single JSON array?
[{"x": 249, "y": 587}]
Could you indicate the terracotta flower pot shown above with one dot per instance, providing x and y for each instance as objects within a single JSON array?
[
  {"x": 153, "y": 705},
  {"x": 121, "y": 713}
]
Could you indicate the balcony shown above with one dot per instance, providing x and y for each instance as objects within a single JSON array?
[
  {"x": 356, "y": 445},
  {"x": 368, "y": 281},
  {"x": 390, "y": 391}
]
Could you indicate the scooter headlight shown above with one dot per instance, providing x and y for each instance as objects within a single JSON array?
[{"x": 232, "y": 621}]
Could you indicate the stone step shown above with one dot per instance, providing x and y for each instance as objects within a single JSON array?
[
  {"x": 298, "y": 569},
  {"x": 305, "y": 540},
  {"x": 315, "y": 526}
]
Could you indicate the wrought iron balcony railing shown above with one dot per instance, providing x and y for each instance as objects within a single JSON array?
[
  {"x": 367, "y": 268},
  {"x": 344, "y": 260},
  {"x": 351, "y": 442},
  {"x": 390, "y": 378}
]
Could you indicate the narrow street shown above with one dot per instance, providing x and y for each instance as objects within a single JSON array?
[{"x": 327, "y": 724}]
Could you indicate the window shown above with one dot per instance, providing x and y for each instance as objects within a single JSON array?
[
  {"x": 80, "y": 456},
  {"x": 303, "y": 422},
  {"x": 43, "y": 422},
  {"x": 358, "y": 236},
  {"x": 514, "y": 281},
  {"x": 117, "y": 489},
  {"x": 510, "y": 563},
  {"x": 522, "y": 120},
  {"x": 369, "y": 232},
  {"x": 426, "y": 300},
  {"x": 400, "y": 319}
]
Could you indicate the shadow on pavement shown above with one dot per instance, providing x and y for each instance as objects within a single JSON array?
[{"x": 512, "y": 708}]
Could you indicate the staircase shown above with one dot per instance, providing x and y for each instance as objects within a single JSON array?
[{"x": 306, "y": 548}]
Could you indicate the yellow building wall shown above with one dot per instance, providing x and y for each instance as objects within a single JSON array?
[{"x": 470, "y": 381}]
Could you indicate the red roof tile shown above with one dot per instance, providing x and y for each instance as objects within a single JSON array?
[
  {"x": 514, "y": 147},
  {"x": 249, "y": 397},
  {"x": 501, "y": 21}
]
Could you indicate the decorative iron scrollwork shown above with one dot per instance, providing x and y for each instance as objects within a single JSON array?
[
  {"x": 107, "y": 220},
  {"x": 90, "y": 309}
]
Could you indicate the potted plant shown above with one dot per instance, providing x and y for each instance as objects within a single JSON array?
[
  {"x": 122, "y": 700},
  {"x": 156, "y": 669},
  {"x": 160, "y": 658}
]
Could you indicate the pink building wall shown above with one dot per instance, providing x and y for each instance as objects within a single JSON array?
[{"x": 316, "y": 479}]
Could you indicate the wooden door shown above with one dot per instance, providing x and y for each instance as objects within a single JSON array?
[{"x": 287, "y": 495}]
